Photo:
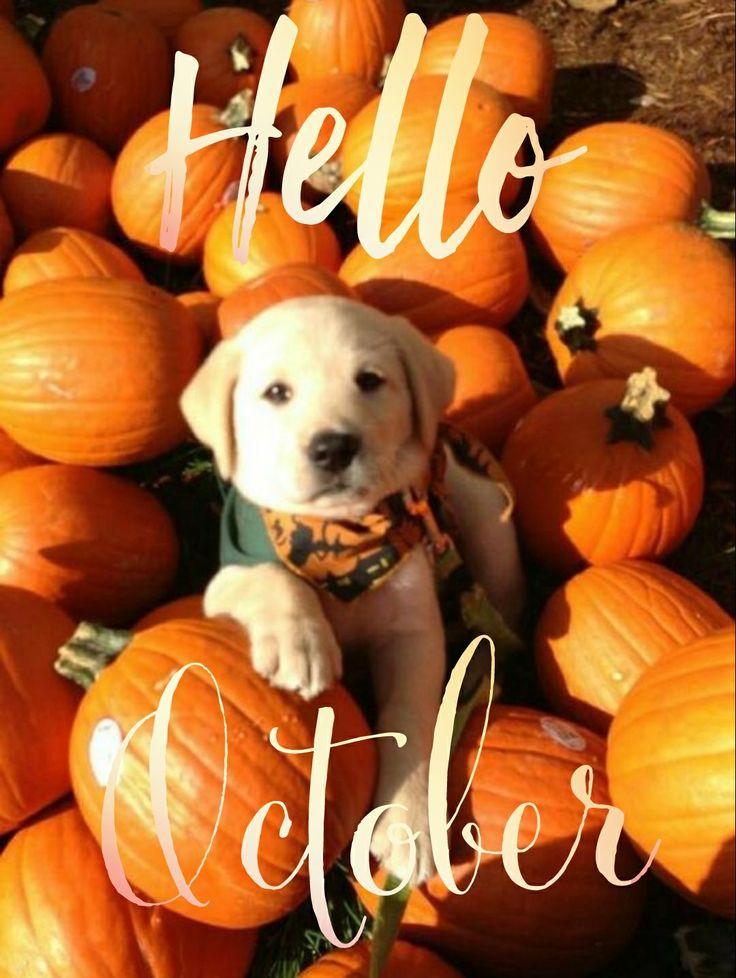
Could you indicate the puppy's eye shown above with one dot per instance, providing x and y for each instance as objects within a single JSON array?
[
  {"x": 278, "y": 393},
  {"x": 369, "y": 380}
]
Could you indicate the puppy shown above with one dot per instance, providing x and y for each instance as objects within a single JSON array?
[{"x": 323, "y": 414}]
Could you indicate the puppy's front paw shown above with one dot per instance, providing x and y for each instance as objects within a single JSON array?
[
  {"x": 389, "y": 845},
  {"x": 298, "y": 654}
]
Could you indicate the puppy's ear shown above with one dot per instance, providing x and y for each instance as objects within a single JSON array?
[
  {"x": 431, "y": 377},
  {"x": 207, "y": 404}
]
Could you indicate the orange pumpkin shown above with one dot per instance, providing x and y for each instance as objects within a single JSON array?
[
  {"x": 633, "y": 299},
  {"x": 352, "y": 37},
  {"x": 577, "y": 925},
  {"x": 485, "y": 112},
  {"x": 599, "y": 479},
  {"x": 406, "y": 961},
  {"x": 167, "y": 15},
  {"x": 187, "y": 607},
  {"x": 138, "y": 197},
  {"x": 94, "y": 544},
  {"x": 7, "y": 234},
  {"x": 110, "y": 360},
  {"x": 671, "y": 768},
  {"x": 518, "y": 60},
  {"x": 56, "y": 180},
  {"x": 7, "y": 9},
  {"x": 38, "y": 707},
  {"x": 55, "y": 867},
  {"x": 203, "y": 307},
  {"x": 631, "y": 174},
  {"x": 25, "y": 96},
  {"x": 130, "y": 689},
  {"x": 492, "y": 387},
  {"x": 230, "y": 44},
  {"x": 604, "y": 628},
  {"x": 88, "y": 58},
  {"x": 61, "y": 253},
  {"x": 12, "y": 456},
  {"x": 277, "y": 240},
  {"x": 485, "y": 281},
  {"x": 293, "y": 281}
]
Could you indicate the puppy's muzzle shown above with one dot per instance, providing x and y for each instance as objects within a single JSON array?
[{"x": 333, "y": 451}]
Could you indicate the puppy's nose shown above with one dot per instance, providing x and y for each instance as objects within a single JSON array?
[{"x": 333, "y": 451}]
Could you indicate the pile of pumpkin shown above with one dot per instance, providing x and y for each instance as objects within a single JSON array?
[{"x": 636, "y": 662}]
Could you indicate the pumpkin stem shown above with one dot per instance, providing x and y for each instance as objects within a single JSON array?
[
  {"x": 89, "y": 651},
  {"x": 641, "y": 411},
  {"x": 576, "y": 326},
  {"x": 387, "y": 59},
  {"x": 328, "y": 178},
  {"x": 718, "y": 224},
  {"x": 241, "y": 55},
  {"x": 238, "y": 111}
]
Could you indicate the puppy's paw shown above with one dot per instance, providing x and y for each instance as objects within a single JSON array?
[
  {"x": 389, "y": 845},
  {"x": 298, "y": 654}
]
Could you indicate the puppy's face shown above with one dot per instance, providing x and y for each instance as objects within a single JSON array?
[{"x": 328, "y": 407}]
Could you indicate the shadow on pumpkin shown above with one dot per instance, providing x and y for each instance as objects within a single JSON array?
[{"x": 717, "y": 892}]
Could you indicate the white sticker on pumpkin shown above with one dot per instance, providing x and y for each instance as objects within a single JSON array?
[
  {"x": 104, "y": 745},
  {"x": 563, "y": 734},
  {"x": 83, "y": 79}
]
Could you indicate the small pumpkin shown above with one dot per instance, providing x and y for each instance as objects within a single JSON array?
[
  {"x": 12, "y": 456},
  {"x": 606, "y": 626},
  {"x": 518, "y": 60},
  {"x": 88, "y": 57},
  {"x": 130, "y": 689},
  {"x": 406, "y": 961},
  {"x": 167, "y": 15},
  {"x": 94, "y": 544},
  {"x": 111, "y": 358},
  {"x": 485, "y": 281},
  {"x": 186, "y": 607},
  {"x": 485, "y": 112},
  {"x": 671, "y": 768},
  {"x": 277, "y": 240},
  {"x": 492, "y": 387},
  {"x": 56, "y": 868},
  {"x": 204, "y": 307},
  {"x": 350, "y": 37},
  {"x": 631, "y": 174},
  {"x": 58, "y": 180},
  {"x": 25, "y": 96},
  {"x": 497, "y": 928},
  {"x": 38, "y": 707},
  {"x": 230, "y": 44},
  {"x": 61, "y": 253},
  {"x": 661, "y": 294},
  {"x": 7, "y": 234},
  {"x": 604, "y": 471},
  {"x": 212, "y": 176},
  {"x": 292, "y": 281}
]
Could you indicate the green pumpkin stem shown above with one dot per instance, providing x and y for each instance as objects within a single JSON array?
[
  {"x": 718, "y": 224},
  {"x": 576, "y": 327},
  {"x": 641, "y": 412},
  {"x": 238, "y": 111},
  {"x": 241, "y": 55},
  {"x": 89, "y": 651}
]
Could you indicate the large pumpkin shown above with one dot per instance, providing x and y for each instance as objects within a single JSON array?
[
  {"x": 37, "y": 706},
  {"x": 492, "y": 387},
  {"x": 130, "y": 689},
  {"x": 498, "y": 928},
  {"x": 406, "y": 961},
  {"x": 277, "y": 240},
  {"x": 7, "y": 234},
  {"x": 518, "y": 60},
  {"x": 60, "y": 915},
  {"x": 292, "y": 281},
  {"x": 94, "y": 544},
  {"x": 167, "y": 15},
  {"x": 671, "y": 768},
  {"x": 604, "y": 471},
  {"x": 605, "y": 627},
  {"x": 12, "y": 456},
  {"x": 88, "y": 58},
  {"x": 204, "y": 308},
  {"x": 485, "y": 112},
  {"x": 25, "y": 97},
  {"x": 61, "y": 253},
  {"x": 353, "y": 37},
  {"x": 58, "y": 180},
  {"x": 485, "y": 281},
  {"x": 212, "y": 176},
  {"x": 633, "y": 299},
  {"x": 230, "y": 44},
  {"x": 7, "y": 9},
  {"x": 631, "y": 174},
  {"x": 110, "y": 360},
  {"x": 190, "y": 606}
]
